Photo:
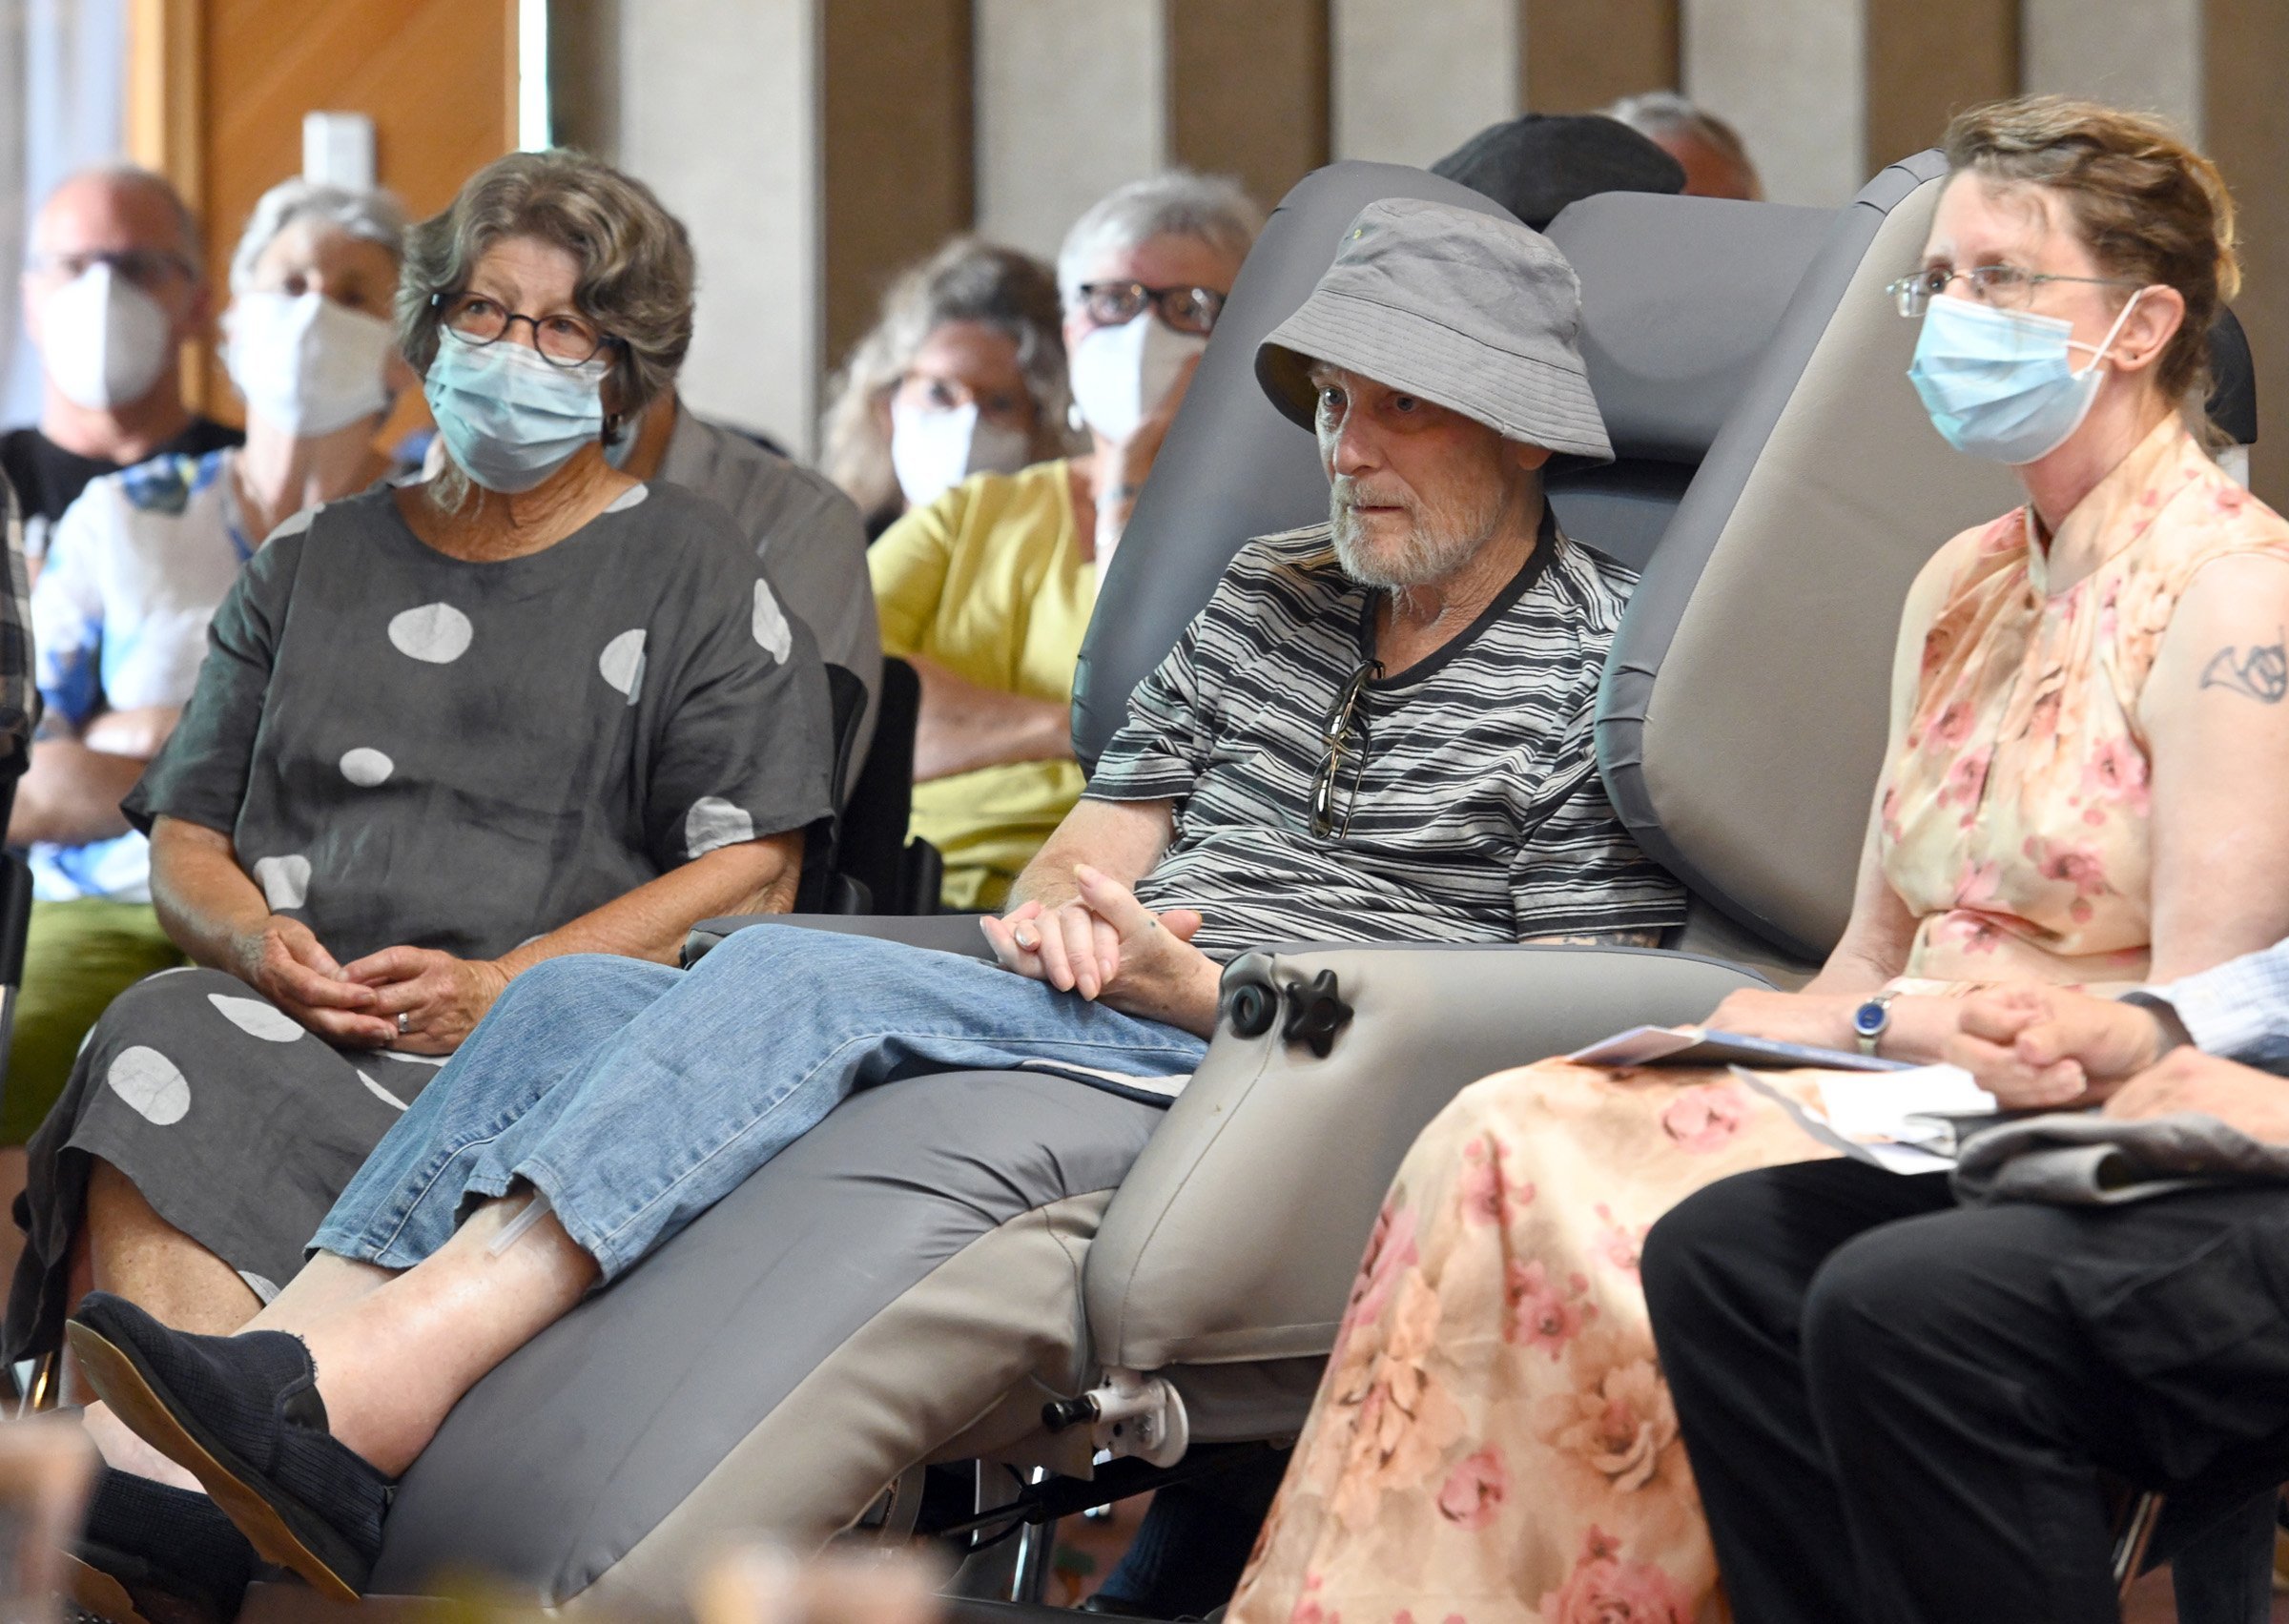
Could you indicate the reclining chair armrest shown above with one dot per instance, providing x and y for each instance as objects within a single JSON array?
[
  {"x": 947, "y": 933},
  {"x": 1236, "y": 1235}
]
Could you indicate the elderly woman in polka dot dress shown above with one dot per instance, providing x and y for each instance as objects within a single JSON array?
[{"x": 443, "y": 732}]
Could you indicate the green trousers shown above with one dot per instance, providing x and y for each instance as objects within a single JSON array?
[{"x": 80, "y": 957}]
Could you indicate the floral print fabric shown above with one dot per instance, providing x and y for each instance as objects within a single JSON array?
[
  {"x": 2014, "y": 821},
  {"x": 1494, "y": 1442}
]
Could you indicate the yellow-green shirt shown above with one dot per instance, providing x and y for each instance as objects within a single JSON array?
[{"x": 989, "y": 582}]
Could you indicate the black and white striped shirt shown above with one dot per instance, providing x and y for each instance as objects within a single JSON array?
[{"x": 1479, "y": 813}]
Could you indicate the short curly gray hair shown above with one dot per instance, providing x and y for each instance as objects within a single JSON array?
[
  {"x": 1208, "y": 208},
  {"x": 636, "y": 269},
  {"x": 368, "y": 216}
]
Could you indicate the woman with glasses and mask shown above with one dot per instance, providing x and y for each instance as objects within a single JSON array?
[
  {"x": 964, "y": 374},
  {"x": 445, "y": 732},
  {"x": 134, "y": 572},
  {"x": 2089, "y": 726},
  {"x": 988, "y": 589}
]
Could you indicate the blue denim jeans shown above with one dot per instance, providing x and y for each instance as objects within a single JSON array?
[{"x": 635, "y": 1096}]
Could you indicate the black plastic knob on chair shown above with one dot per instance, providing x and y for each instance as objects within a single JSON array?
[
  {"x": 1315, "y": 1013},
  {"x": 1060, "y": 1413}
]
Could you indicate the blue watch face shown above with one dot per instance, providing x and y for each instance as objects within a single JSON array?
[{"x": 1868, "y": 1020}]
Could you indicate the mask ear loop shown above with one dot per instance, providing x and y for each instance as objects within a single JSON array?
[{"x": 2099, "y": 349}]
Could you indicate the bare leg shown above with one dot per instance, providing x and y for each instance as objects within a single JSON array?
[
  {"x": 393, "y": 1363},
  {"x": 128, "y": 1249},
  {"x": 134, "y": 1253},
  {"x": 327, "y": 1285},
  {"x": 123, "y": 1452}
]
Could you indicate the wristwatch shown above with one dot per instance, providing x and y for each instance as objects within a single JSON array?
[{"x": 1872, "y": 1020}]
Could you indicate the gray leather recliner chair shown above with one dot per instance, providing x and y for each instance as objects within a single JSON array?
[{"x": 916, "y": 1278}]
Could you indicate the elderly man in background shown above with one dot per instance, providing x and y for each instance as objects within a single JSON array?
[
  {"x": 806, "y": 531},
  {"x": 1715, "y": 159},
  {"x": 113, "y": 288},
  {"x": 603, "y": 1106}
]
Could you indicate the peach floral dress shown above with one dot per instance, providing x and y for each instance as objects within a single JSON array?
[{"x": 1494, "y": 1439}]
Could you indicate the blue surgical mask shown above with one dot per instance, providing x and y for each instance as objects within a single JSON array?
[
  {"x": 510, "y": 418},
  {"x": 2001, "y": 384}
]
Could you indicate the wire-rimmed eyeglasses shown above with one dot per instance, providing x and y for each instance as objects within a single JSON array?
[
  {"x": 564, "y": 339},
  {"x": 1187, "y": 309},
  {"x": 1335, "y": 738},
  {"x": 2009, "y": 287}
]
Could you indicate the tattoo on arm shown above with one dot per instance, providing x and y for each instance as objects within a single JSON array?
[{"x": 2262, "y": 674}]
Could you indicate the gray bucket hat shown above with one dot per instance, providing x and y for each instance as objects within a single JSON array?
[{"x": 1472, "y": 313}]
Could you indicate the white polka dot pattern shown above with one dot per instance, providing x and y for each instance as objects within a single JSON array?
[
  {"x": 149, "y": 1081},
  {"x": 714, "y": 821},
  {"x": 256, "y": 1019},
  {"x": 437, "y": 633},
  {"x": 285, "y": 881},
  {"x": 622, "y": 663},
  {"x": 366, "y": 767},
  {"x": 771, "y": 628},
  {"x": 380, "y": 1093},
  {"x": 633, "y": 497}
]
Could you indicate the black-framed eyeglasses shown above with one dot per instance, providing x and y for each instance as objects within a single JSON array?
[
  {"x": 2007, "y": 286},
  {"x": 567, "y": 341},
  {"x": 1116, "y": 304},
  {"x": 148, "y": 268},
  {"x": 1335, "y": 738}
]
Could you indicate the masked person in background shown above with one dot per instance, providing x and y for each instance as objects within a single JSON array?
[
  {"x": 964, "y": 374},
  {"x": 136, "y": 568},
  {"x": 113, "y": 288},
  {"x": 989, "y": 588}
]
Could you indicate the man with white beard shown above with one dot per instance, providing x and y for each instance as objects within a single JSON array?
[{"x": 1379, "y": 730}]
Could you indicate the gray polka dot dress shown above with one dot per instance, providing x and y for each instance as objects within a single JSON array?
[{"x": 409, "y": 749}]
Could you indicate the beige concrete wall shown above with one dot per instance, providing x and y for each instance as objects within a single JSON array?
[
  {"x": 1248, "y": 89},
  {"x": 2145, "y": 54},
  {"x": 1789, "y": 75},
  {"x": 1413, "y": 81},
  {"x": 1581, "y": 57},
  {"x": 1069, "y": 105}
]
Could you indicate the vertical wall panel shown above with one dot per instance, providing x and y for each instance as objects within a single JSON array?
[
  {"x": 1248, "y": 89},
  {"x": 2144, "y": 53},
  {"x": 895, "y": 114},
  {"x": 1928, "y": 60},
  {"x": 1791, "y": 75},
  {"x": 1581, "y": 57},
  {"x": 719, "y": 112},
  {"x": 2248, "y": 124},
  {"x": 1414, "y": 81},
  {"x": 1070, "y": 104}
]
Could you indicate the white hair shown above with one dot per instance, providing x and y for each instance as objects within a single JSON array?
[
  {"x": 369, "y": 216},
  {"x": 1209, "y": 208},
  {"x": 1665, "y": 112}
]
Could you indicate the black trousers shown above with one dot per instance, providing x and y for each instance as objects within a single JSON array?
[{"x": 1901, "y": 1410}]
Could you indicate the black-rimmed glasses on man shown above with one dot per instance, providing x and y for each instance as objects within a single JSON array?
[{"x": 1335, "y": 738}]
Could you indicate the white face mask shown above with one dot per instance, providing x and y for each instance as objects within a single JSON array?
[
  {"x": 1121, "y": 375},
  {"x": 305, "y": 362},
  {"x": 934, "y": 448},
  {"x": 103, "y": 340}
]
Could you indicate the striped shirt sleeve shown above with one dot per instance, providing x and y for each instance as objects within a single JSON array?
[
  {"x": 2237, "y": 1010},
  {"x": 1161, "y": 748}
]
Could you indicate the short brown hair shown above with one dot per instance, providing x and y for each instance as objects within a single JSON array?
[{"x": 2148, "y": 206}]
